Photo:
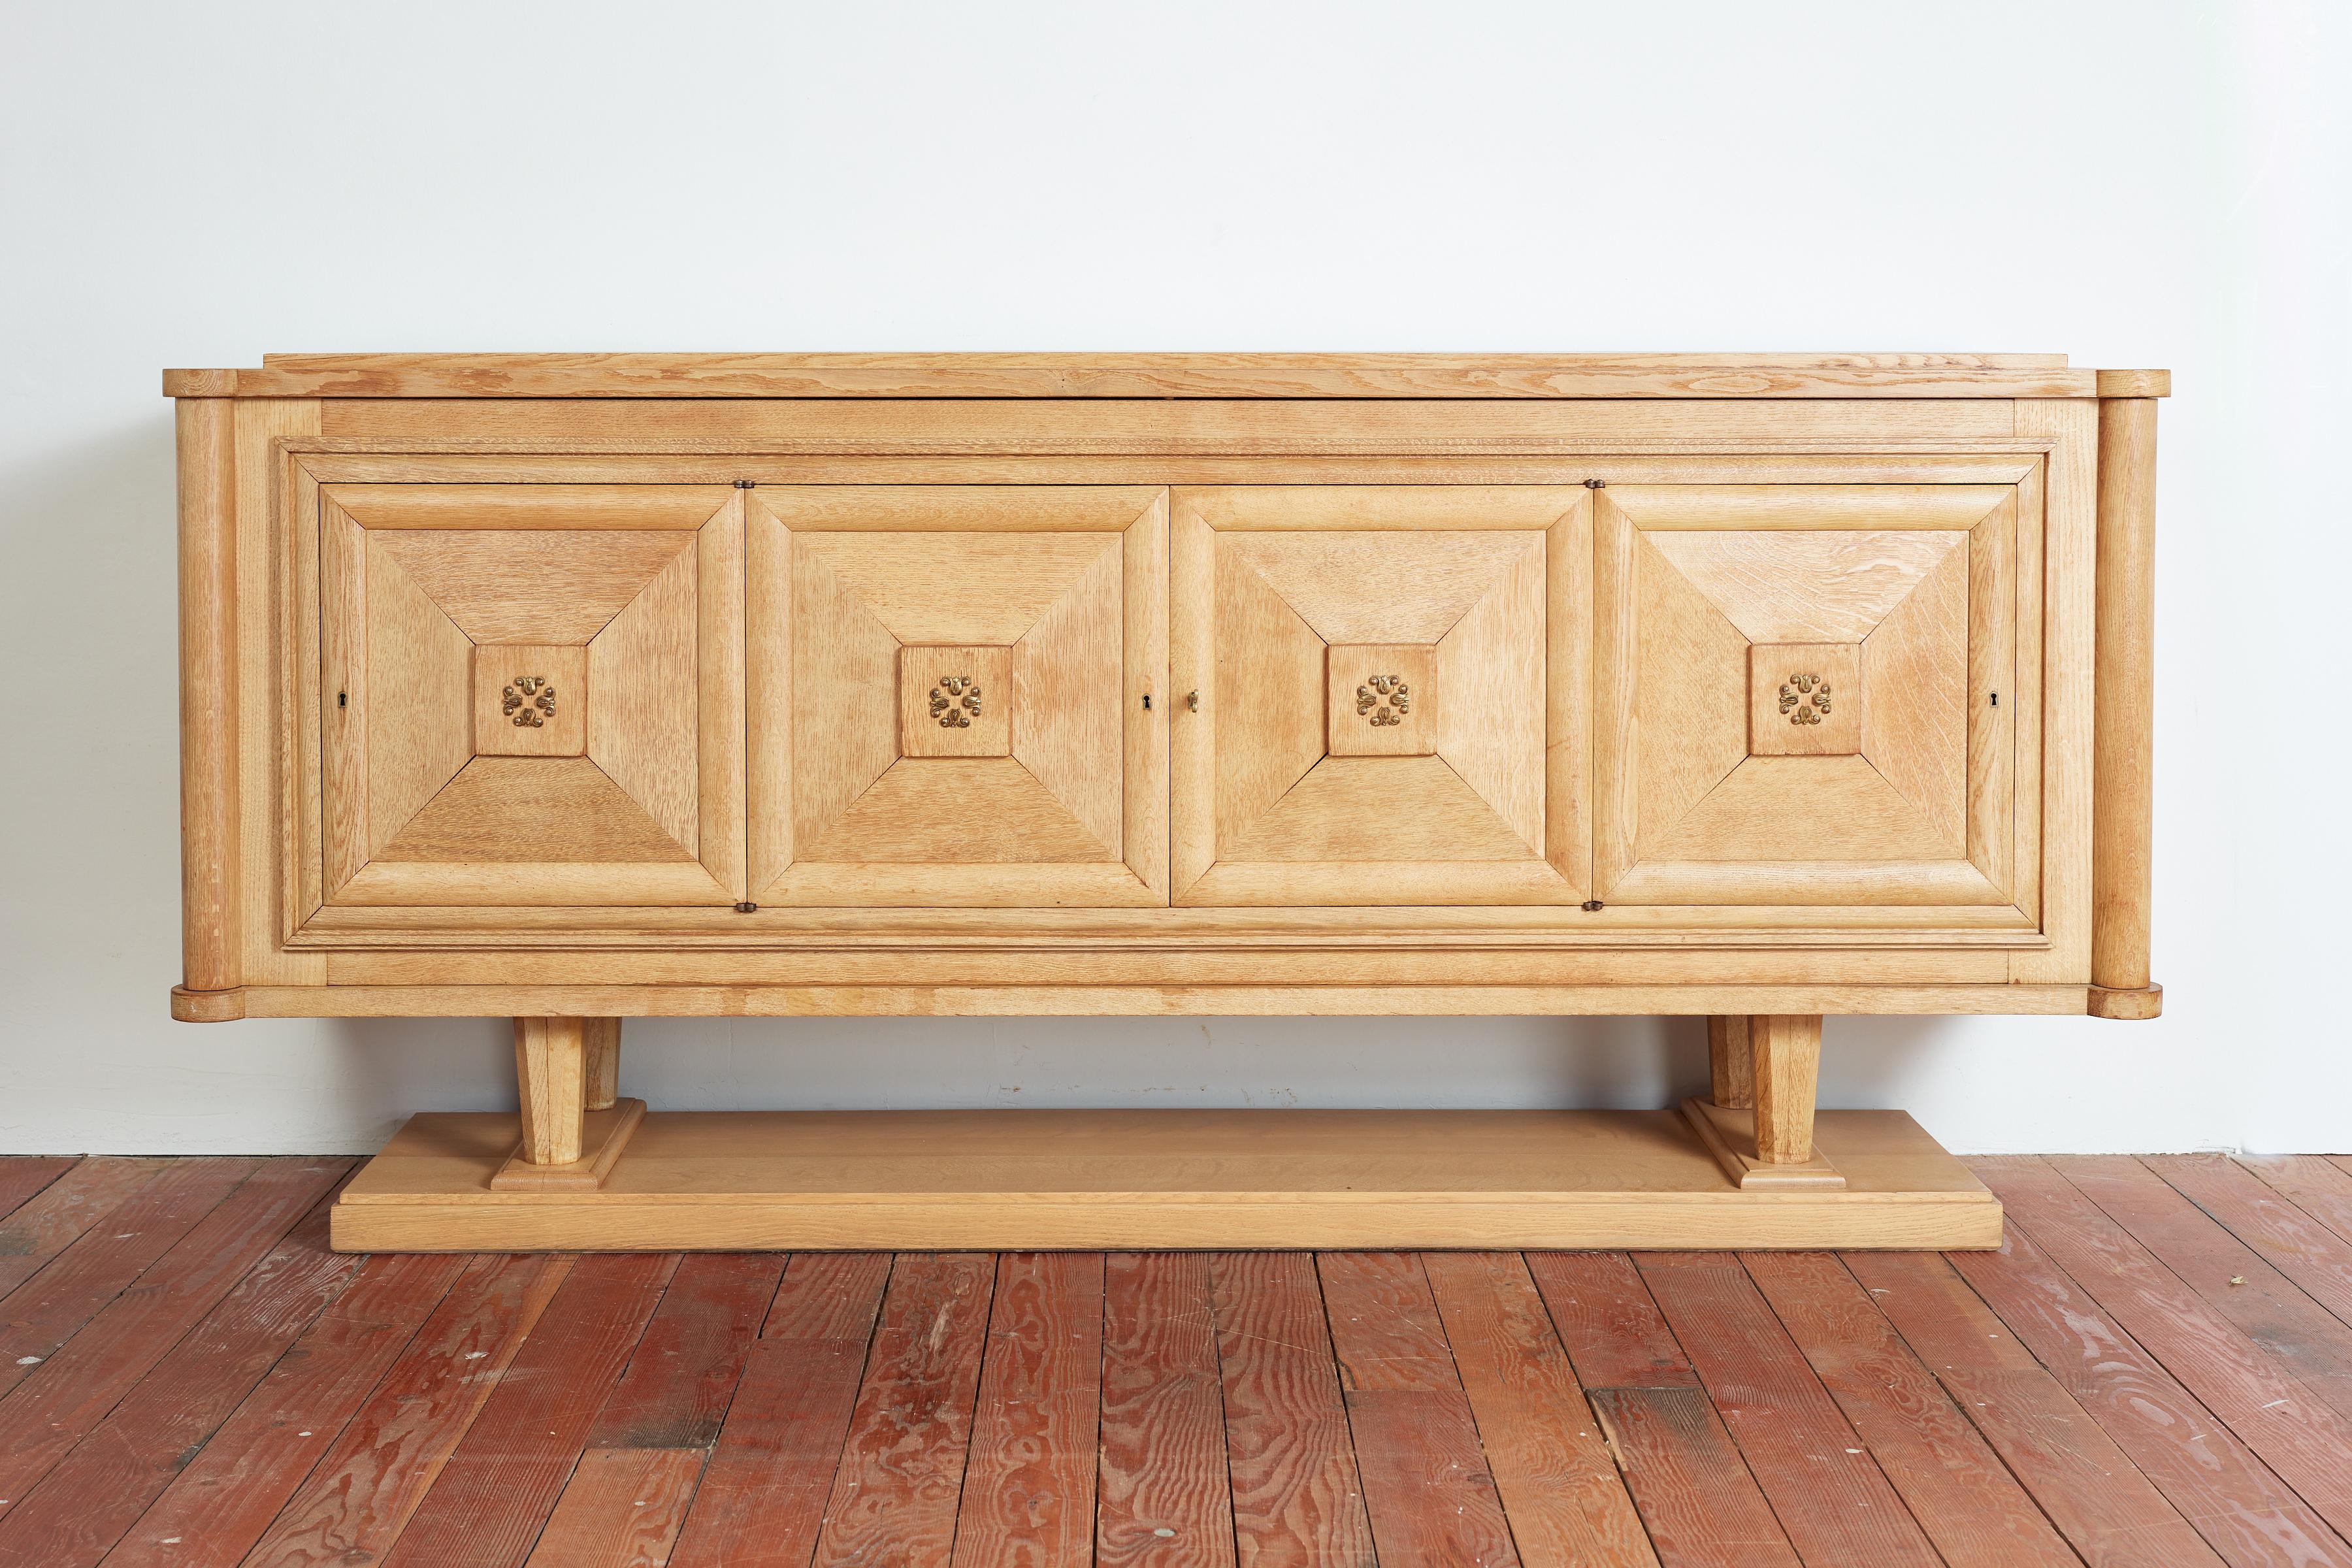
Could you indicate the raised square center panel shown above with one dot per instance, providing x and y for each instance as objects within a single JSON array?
[
  {"x": 955, "y": 702},
  {"x": 530, "y": 701},
  {"x": 1382, "y": 699},
  {"x": 1804, "y": 699}
]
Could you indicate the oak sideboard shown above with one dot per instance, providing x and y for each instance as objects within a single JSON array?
[{"x": 575, "y": 687}]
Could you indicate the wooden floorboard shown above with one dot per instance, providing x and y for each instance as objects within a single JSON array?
[
  {"x": 2156, "y": 1368},
  {"x": 902, "y": 1461},
  {"x": 2253, "y": 1391},
  {"x": 1963, "y": 1497},
  {"x": 1696, "y": 1494}
]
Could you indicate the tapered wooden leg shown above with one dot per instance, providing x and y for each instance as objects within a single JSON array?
[
  {"x": 1730, "y": 1062},
  {"x": 603, "y": 1037},
  {"x": 551, "y": 1069},
  {"x": 1787, "y": 1051}
]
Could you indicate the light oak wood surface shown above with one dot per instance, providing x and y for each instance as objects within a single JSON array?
[
  {"x": 1222, "y": 1179},
  {"x": 1758, "y": 688},
  {"x": 1162, "y": 375},
  {"x": 2124, "y": 723}
]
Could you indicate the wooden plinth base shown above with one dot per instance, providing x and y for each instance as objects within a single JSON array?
[
  {"x": 1022, "y": 1180},
  {"x": 602, "y": 1135},
  {"x": 1730, "y": 1136}
]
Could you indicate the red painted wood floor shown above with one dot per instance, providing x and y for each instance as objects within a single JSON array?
[{"x": 2157, "y": 1369}]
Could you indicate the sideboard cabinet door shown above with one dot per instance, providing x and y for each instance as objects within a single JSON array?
[
  {"x": 530, "y": 694},
  {"x": 956, "y": 695},
  {"x": 1813, "y": 695},
  {"x": 1383, "y": 694}
]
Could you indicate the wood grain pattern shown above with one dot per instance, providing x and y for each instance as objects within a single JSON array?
[
  {"x": 843, "y": 694},
  {"x": 643, "y": 707},
  {"x": 46, "y": 1223},
  {"x": 1029, "y": 1484},
  {"x": 1971, "y": 1508},
  {"x": 1697, "y": 1500},
  {"x": 2063, "y": 663},
  {"x": 1427, "y": 1488},
  {"x": 23, "y": 1175},
  {"x": 70, "y": 1389},
  {"x": 496, "y": 508},
  {"x": 1992, "y": 760},
  {"x": 936, "y": 587},
  {"x": 1492, "y": 704},
  {"x": 2241, "y": 1509},
  {"x": 2116, "y": 1453},
  {"x": 620, "y": 1509},
  {"x": 2321, "y": 1189},
  {"x": 1431, "y": 1497},
  {"x": 354, "y": 1504},
  {"x": 1826, "y": 1490},
  {"x": 685, "y": 1368},
  {"x": 90, "y": 1270},
  {"x": 965, "y": 427},
  {"x": 2238, "y": 1282},
  {"x": 551, "y": 1077},
  {"x": 210, "y": 853},
  {"x": 530, "y": 585},
  {"x": 1067, "y": 710},
  {"x": 418, "y": 716},
  {"x": 2085, "y": 1483},
  {"x": 1351, "y": 585},
  {"x": 902, "y": 1464},
  {"x": 1161, "y": 1496},
  {"x": 2124, "y": 712},
  {"x": 1916, "y": 694},
  {"x": 1151, "y": 376},
  {"x": 721, "y": 734},
  {"x": 1148, "y": 701},
  {"x": 1556, "y": 1481},
  {"x": 1731, "y": 1067},
  {"x": 1265, "y": 688},
  {"x": 98, "y": 1489},
  {"x": 226, "y": 1496},
  {"x": 1295, "y": 1497},
  {"x": 529, "y": 811},
  {"x": 2257, "y": 1389},
  {"x": 496, "y": 1489},
  {"x": 1786, "y": 1049},
  {"x": 761, "y": 1500},
  {"x": 955, "y": 812},
  {"x": 560, "y": 673}
]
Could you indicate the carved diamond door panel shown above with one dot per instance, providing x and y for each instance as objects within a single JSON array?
[
  {"x": 531, "y": 694},
  {"x": 1813, "y": 694},
  {"x": 954, "y": 695},
  {"x": 1391, "y": 694}
]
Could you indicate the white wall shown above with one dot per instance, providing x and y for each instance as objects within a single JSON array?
[{"x": 2135, "y": 183}]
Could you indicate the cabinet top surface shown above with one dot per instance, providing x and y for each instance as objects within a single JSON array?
[{"x": 1158, "y": 376}]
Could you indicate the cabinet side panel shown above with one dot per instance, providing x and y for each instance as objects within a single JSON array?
[
  {"x": 2070, "y": 557},
  {"x": 209, "y": 899}
]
